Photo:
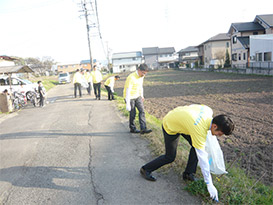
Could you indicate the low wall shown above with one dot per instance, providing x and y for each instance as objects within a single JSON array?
[{"x": 256, "y": 71}]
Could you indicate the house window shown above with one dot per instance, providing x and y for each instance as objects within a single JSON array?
[
  {"x": 259, "y": 56},
  {"x": 227, "y": 45},
  {"x": 267, "y": 56},
  {"x": 244, "y": 56},
  {"x": 239, "y": 56},
  {"x": 234, "y": 57},
  {"x": 234, "y": 39}
]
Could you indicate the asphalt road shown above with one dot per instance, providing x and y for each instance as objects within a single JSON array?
[{"x": 78, "y": 151}]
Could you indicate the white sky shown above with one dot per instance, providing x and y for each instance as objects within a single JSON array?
[{"x": 37, "y": 28}]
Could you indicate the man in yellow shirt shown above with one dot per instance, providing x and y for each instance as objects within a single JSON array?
[
  {"x": 133, "y": 95},
  {"x": 96, "y": 78},
  {"x": 193, "y": 123},
  {"x": 109, "y": 85}
]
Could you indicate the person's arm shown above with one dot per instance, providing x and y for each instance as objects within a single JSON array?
[{"x": 205, "y": 168}]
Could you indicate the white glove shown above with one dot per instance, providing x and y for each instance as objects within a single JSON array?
[
  {"x": 128, "y": 106},
  {"x": 212, "y": 191}
]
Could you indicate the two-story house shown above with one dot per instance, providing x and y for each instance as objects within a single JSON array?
[
  {"x": 166, "y": 57},
  {"x": 213, "y": 51},
  {"x": 150, "y": 56},
  {"x": 126, "y": 61},
  {"x": 188, "y": 56},
  {"x": 240, "y": 33},
  {"x": 156, "y": 57}
]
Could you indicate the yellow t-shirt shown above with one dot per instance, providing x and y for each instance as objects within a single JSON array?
[
  {"x": 193, "y": 120},
  {"x": 134, "y": 83},
  {"x": 96, "y": 76},
  {"x": 77, "y": 78},
  {"x": 110, "y": 81}
]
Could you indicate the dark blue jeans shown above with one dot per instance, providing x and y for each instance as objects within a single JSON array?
[
  {"x": 77, "y": 86},
  {"x": 171, "y": 142},
  {"x": 137, "y": 103},
  {"x": 96, "y": 87}
]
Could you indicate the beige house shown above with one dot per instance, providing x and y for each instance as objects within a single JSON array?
[
  {"x": 213, "y": 51},
  {"x": 72, "y": 67}
]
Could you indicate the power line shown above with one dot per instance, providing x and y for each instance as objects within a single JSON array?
[{"x": 90, "y": 10}]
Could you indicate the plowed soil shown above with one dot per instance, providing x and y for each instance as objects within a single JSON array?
[{"x": 247, "y": 99}]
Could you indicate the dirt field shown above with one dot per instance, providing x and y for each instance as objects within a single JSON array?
[{"x": 247, "y": 99}]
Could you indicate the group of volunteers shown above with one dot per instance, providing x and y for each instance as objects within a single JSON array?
[
  {"x": 93, "y": 78},
  {"x": 191, "y": 122}
]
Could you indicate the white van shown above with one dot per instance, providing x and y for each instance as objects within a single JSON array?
[
  {"x": 64, "y": 78},
  {"x": 17, "y": 84}
]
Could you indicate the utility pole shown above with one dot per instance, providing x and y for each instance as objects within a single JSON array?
[{"x": 88, "y": 36}]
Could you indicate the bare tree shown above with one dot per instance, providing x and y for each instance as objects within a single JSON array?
[
  {"x": 220, "y": 56},
  {"x": 40, "y": 66}
]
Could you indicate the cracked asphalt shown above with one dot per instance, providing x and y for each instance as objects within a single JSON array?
[{"x": 78, "y": 151}]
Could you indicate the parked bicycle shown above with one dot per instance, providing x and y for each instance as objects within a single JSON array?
[{"x": 19, "y": 100}]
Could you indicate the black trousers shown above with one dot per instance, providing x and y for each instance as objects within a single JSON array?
[
  {"x": 110, "y": 93},
  {"x": 89, "y": 88},
  {"x": 97, "y": 89},
  {"x": 77, "y": 86},
  {"x": 137, "y": 103},
  {"x": 42, "y": 99},
  {"x": 171, "y": 142}
]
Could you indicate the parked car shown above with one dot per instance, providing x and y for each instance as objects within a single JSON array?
[
  {"x": 18, "y": 85},
  {"x": 64, "y": 78}
]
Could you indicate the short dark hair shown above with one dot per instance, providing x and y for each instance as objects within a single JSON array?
[
  {"x": 39, "y": 81},
  {"x": 224, "y": 124},
  {"x": 143, "y": 67},
  {"x": 117, "y": 77}
]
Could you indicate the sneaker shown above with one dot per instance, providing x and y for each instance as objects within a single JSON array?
[
  {"x": 146, "y": 131},
  {"x": 135, "y": 131},
  {"x": 189, "y": 176},
  {"x": 147, "y": 175}
]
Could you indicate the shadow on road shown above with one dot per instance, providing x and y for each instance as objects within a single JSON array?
[
  {"x": 57, "y": 133},
  {"x": 44, "y": 177}
]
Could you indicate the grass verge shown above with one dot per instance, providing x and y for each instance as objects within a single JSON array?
[{"x": 233, "y": 188}]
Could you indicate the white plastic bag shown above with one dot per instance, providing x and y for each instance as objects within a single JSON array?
[{"x": 215, "y": 155}]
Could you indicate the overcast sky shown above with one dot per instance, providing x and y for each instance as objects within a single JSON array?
[{"x": 37, "y": 28}]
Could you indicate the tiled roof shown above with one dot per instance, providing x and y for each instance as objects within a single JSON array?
[
  {"x": 248, "y": 26},
  {"x": 244, "y": 41},
  {"x": 189, "y": 49},
  {"x": 150, "y": 51},
  {"x": 266, "y": 18},
  {"x": 166, "y": 50}
]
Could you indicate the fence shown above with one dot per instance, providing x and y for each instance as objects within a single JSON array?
[{"x": 256, "y": 71}]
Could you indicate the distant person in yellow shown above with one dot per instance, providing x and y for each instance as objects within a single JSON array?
[
  {"x": 133, "y": 95},
  {"x": 109, "y": 85},
  {"x": 77, "y": 80},
  {"x": 193, "y": 123},
  {"x": 96, "y": 78},
  {"x": 88, "y": 78}
]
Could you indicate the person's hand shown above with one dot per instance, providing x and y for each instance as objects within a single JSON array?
[
  {"x": 212, "y": 191},
  {"x": 142, "y": 99},
  {"x": 128, "y": 107}
]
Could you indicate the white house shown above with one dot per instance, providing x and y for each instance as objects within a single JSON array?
[
  {"x": 261, "y": 51},
  {"x": 126, "y": 61}
]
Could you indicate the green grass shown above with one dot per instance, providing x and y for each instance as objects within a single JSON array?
[
  {"x": 48, "y": 81},
  {"x": 233, "y": 188}
]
